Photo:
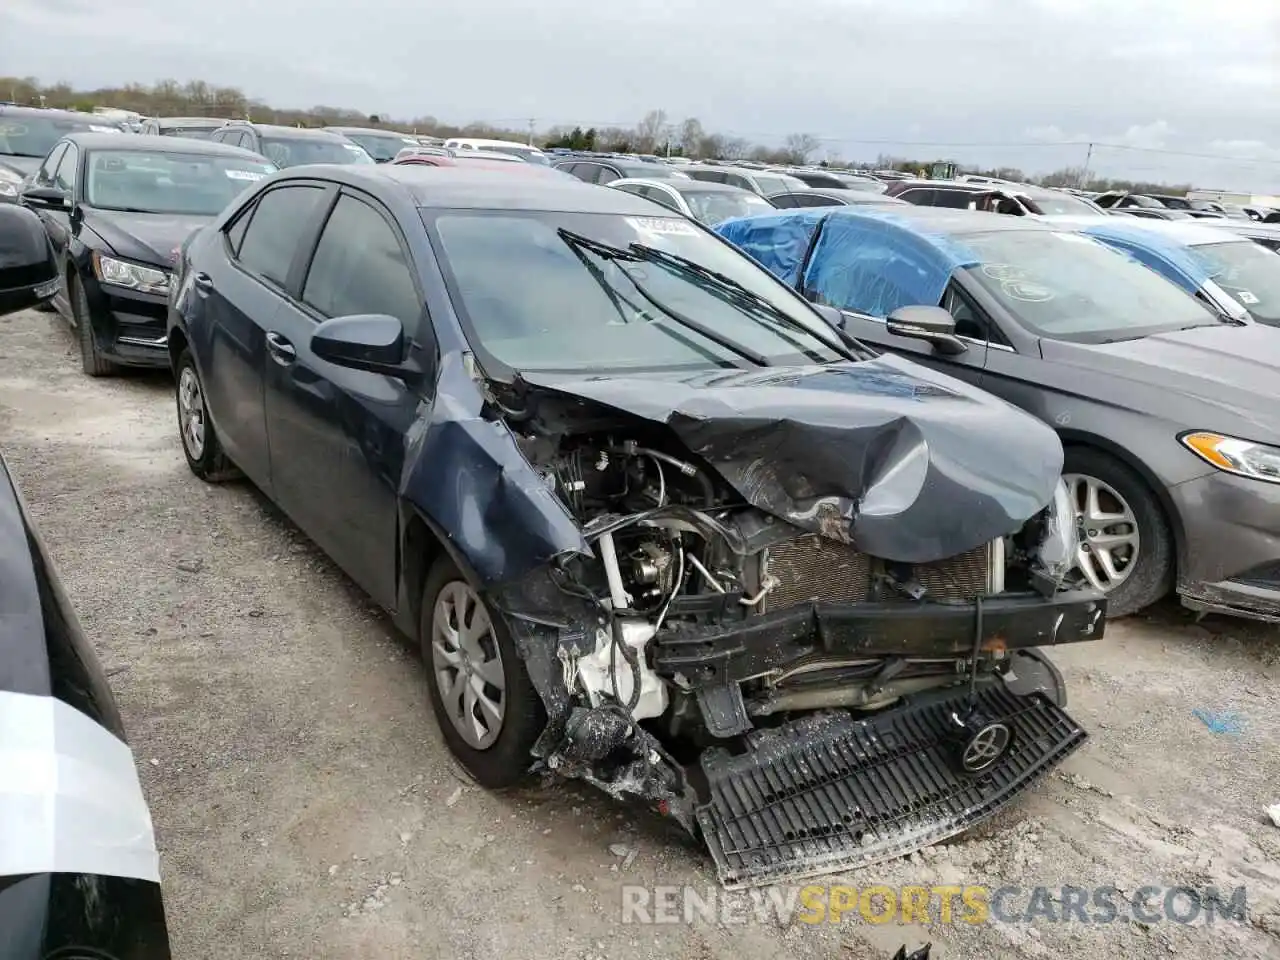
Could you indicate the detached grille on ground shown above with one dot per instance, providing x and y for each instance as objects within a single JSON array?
[
  {"x": 815, "y": 568},
  {"x": 829, "y": 793}
]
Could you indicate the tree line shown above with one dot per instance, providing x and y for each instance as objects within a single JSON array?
[{"x": 657, "y": 133}]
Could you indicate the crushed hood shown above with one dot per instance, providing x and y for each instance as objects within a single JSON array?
[
  {"x": 146, "y": 237},
  {"x": 905, "y": 463}
]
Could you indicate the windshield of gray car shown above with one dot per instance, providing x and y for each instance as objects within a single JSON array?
[
  {"x": 189, "y": 184},
  {"x": 715, "y": 206},
  {"x": 771, "y": 183},
  {"x": 1063, "y": 204},
  {"x": 382, "y": 147},
  {"x": 535, "y": 294},
  {"x": 295, "y": 151},
  {"x": 1247, "y": 271},
  {"x": 27, "y": 136},
  {"x": 1070, "y": 287},
  {"x": 189, "y": 133}
]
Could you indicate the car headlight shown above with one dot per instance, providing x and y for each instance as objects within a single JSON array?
[
  {"x": 9, "y": 183},
  {"x": 1055, "y": 554},
  {"x": 1244, "y": 458},
  {"x": 121, "y": 273}
]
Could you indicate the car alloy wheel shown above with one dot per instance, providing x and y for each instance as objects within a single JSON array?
[
  {"x": 467, "y": 664},
  {"x": 1109, "y": 540},
  {"x": 191, "y": 413}
]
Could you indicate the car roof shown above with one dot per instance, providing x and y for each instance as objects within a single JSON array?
[
  {"x": 678, "y": 184},
  {"x": 728, "y": 168},
  {"x": 945, "y": 221},
  {"x": 482, "y": 189},
  {"x": 153, "y": 143},
  {"x": 1156, "y": 235},
  {"x": 273, "y": 129},
  {"x": 374, "y": 130},
  {"x": 210, "y": 121},
  {"x": 850, "y": 197},
  {"x": 20, "y": 111}
]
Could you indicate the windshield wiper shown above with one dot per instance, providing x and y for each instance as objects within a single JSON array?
[
  {"x": 617, "y": 254},
  {"x": 736, "y": 292}
]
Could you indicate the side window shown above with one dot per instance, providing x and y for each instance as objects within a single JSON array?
[
  {"x": 236, "y": 232},
  {"x": 638, "y": 189},
  {"x": 955, "y": 199},
  {"x": 737, "y": 180},
  {"x": 921, "y": 197},
  {"x": 784, "y": 201},
  {"x": 711, "y": 176},
  {"x": 275, "y": 229},
  {"x": 44, "y": 176},
  {"x": 607, "y": 175},
  {"x": 659, "y": 195},
  {"x": 65, "y": 178},
  {"x": 219, "y": 135},
  {"x": 360, "y": 267},
  {"x": 803, "y": 200},
  {"x": 585, "y": 172},
  {"x": 968, "y": 322}
]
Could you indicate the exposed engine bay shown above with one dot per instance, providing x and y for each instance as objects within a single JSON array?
[
  {"x": 709, "y": 629},
  {"x": 798, "y": 610}
]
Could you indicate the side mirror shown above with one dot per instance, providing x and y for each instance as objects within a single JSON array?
[
  {"x": 28, "y": 270},
  {"x": 44, "y": 198},
  {"x": 372, "y": 342},
  {"x": 931, "y": 324},
  {"x": 830, "y": 314}
]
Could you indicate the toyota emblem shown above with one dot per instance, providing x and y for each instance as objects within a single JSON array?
[{"x": 986, "y": 747}]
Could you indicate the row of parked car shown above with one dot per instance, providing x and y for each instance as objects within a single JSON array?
[{"x": 641, "y": 488}]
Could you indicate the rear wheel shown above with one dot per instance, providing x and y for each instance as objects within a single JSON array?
[
  {"x": 488, "y": 712},
  {"x": 1126, "y": 550},
  {"x": 199, "y": 440},
  {"x": 91, "y": 359}
]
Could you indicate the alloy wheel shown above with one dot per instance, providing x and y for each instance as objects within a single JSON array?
[
  {"x": 1109, "y": 538},
  {"x": 191, "y": 412},
  {"x": 467, "y": 665}
]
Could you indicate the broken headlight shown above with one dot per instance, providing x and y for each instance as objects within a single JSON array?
[{"x": 1060, "y": 538}]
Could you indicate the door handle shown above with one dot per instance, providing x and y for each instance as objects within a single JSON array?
[
  {"x": 281, "y": 350},
  {"x": 202, "y": 281}
]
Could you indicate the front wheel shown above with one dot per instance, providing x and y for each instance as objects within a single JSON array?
[
  {"x": 199, "y": 440},
  {"x": 1126, "y": 550},
  {"x": 91, "y": 359},
  {"x": 488, "y": 712}
]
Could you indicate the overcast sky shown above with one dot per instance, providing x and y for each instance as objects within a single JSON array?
[{"x": 989, "y": 81}]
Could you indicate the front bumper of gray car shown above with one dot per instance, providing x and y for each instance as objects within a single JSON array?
[{"x": 1230, "y": 560}]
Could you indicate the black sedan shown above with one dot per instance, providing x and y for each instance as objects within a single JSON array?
[
  {"x": 79, "y": 872},
  {"x": 117, "y": 208},
  {"x": 27, "y": 134},
  {"x": 605, "y": 469},
  {"x": 1166, "y": 407}
]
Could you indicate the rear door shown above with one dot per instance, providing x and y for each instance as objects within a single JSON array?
[
  {"x": 337, "y": 436},
  {"x": 239, "y": 287}
]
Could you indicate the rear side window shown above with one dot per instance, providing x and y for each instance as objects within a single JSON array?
[
  {"x": 275, "y": 229},
  {"x": 955, "y": 199},
  {"x": 360, "y": 267},
  {"x": 920, "y": 197}
]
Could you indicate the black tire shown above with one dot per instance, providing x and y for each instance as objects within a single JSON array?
[
  {"x": 1152, "y": 576},
  {"x": 506, "y": 761},
  {"x": 91, "y": 359},
  {"x": 209, "y": 463}
]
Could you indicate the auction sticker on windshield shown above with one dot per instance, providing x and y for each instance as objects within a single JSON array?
[
  {"x": 663, "y": 226},
  {"x": 245, "y": 174}
]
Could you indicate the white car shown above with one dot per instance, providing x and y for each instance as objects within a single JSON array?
[{"x": 708, "y": 203}]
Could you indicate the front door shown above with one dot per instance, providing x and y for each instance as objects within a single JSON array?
[
  {"x": 337, "y": 435},
  {"x": 241, "y": 295}
]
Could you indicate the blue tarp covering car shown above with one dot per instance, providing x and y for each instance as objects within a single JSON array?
[{"x": 870, "y": 257}]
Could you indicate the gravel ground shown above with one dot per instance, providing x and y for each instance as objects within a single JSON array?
[{"x": 305, "y": 805}]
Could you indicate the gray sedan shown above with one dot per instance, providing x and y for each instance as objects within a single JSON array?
[
  {"x": 1166, "y": 409},
  {"x": 708, "y": 203}
]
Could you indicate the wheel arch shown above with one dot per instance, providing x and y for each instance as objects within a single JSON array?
[
  {"x": 1080, "y": 439},
  {"x": 422, "y": 544}
]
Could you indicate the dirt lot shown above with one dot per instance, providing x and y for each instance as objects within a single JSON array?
[{"x": 305, "y": 805}]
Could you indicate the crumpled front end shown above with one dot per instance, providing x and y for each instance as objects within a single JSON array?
[{"x": 800, "y": 700}]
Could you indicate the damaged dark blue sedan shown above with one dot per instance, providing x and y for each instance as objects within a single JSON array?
[{"x": 654, "y": 523}]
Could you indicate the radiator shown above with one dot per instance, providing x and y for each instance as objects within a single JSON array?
[{"x": 816, "y": 568}]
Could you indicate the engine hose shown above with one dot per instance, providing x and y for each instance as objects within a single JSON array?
[
  {"x": 688, "y": 469},
  {"x": 632, "y": 661}
]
